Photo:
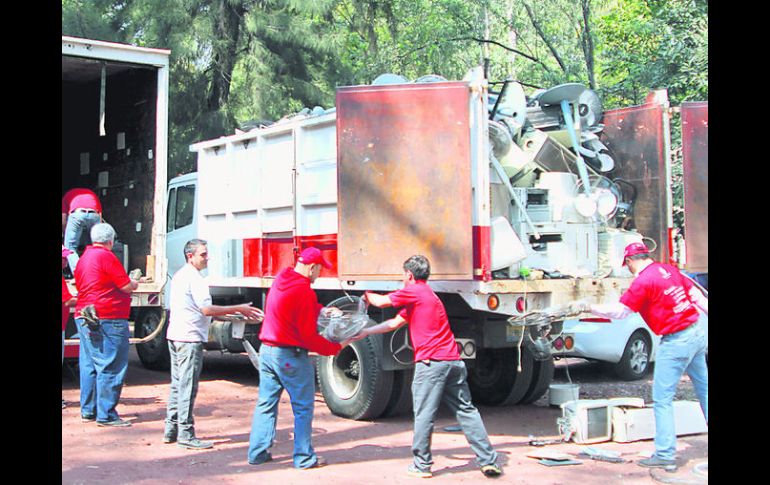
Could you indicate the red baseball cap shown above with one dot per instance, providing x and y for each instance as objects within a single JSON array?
[
  {"x": 314, "y": 256},
  {"x": 633, "y": 249},
  {"x": 65, "y": 252}
]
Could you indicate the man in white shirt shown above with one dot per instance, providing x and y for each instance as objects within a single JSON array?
[{"x": 190, "y": 315}]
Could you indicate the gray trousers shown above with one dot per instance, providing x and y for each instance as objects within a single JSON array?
[
  {"x": 186, "y": 365},
  {"x": 446, "y": 381}
]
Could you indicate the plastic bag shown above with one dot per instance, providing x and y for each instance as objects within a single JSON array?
[{"x": 347, "y": 322}]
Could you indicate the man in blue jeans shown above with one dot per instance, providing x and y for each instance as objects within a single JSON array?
[
  {"x": 80, "y": 211},
  {"x": 102, "y": 282},
  {"x": 669, "y": 303},
  {"x": 288, "y": 332},
  {"x": 191, "y": 310}
]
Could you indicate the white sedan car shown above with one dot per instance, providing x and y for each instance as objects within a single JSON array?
[{"x": 627, "y": 345}]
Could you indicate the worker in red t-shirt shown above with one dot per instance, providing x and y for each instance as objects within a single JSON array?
[
  {"x": 439, "y": 374},
  {"x": 289, "y": 331},
  {"x": 668, "y": 302},
  {"x": 102, "y": 281},
  {"x": 67, "y": 301},
  {"x": 80, "y": 211}
]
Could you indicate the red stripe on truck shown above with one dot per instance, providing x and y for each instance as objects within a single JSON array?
[
  {"x": 264, "y": 257},
  {"x": 482, "y": 257}
]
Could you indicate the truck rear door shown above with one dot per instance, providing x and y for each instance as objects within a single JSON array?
[{"x": 404, "y": 179}]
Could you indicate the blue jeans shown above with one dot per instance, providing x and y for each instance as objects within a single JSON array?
[
  {"x": 186, "y": 365},
  {"x": 678, "y": 353},
  {"x": 279, "y": 369},
  {"x": 446, "y": 381},
  {"x": 78, "y": 224},
  {"x": 103, "y": 364}
]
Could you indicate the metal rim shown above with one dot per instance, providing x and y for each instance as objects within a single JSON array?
[
  {"x": 345, "y": 370},
  {"x": 639, "y": 356}
]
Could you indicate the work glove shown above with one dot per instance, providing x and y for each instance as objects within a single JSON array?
[{"x": 89, "y": 316}]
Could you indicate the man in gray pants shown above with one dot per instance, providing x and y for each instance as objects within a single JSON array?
[
  {"x": 439, "y": 373},
  {"x": 190, "y": 312}
]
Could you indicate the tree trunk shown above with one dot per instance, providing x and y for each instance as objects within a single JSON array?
[
  {"x": 587, "y": 42},
  {"x": 227, "y": 29},
  {"x": 542, "y": 35}
]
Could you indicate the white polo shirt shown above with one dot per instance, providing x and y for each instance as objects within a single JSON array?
[{"x": 189, "y": 293}]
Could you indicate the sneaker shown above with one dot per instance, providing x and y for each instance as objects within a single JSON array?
[
  {"x": 268, "y": 457},
  {"x": 115, "y": 423},
  {"x": 413, "y": 471},
  {"x": 655, "y": 462},
  {"x": 195, "y": 444},
  {"x": 87, "y": 419},
  {"x": 491, "y": 471},
  {"x": 319, "y": 462},
  {"x": 169, "y": 438}
]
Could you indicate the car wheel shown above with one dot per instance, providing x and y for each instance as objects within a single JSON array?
[{"x": 635, "y": 362}]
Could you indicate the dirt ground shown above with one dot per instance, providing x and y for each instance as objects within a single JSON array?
[{"x": 357, "y": 452}]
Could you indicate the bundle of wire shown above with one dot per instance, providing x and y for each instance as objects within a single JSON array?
[{"x": 345, "y": 321}]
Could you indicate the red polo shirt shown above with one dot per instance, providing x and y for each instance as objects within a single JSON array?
[
  {"x": 65, "y": 297},
  {"x": 428, "y": 324},
  {"x": 80, "y": 199},
  {"x": 99, "y": 276},
  {"x": 659, "y": 294}
]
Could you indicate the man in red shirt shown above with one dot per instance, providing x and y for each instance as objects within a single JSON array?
[
  {"x": 289, "y": 331},
  {"x": 80, "y": 211},
  {"x": 101, "y": 281},
  {"x": 669, "y": 303},
  {"x": 439, "y": 374},
  {"x": 67, "y": 301}
]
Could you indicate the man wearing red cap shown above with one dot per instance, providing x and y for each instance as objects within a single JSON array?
[
  {"x": 289, "y": 331},
  {"x": 669, "y": 303}
]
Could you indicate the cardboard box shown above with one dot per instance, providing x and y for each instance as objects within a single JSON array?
[{"x": 634, "y": 423}]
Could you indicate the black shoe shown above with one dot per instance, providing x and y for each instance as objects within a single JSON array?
[
  {"x": 169, "y": 438},
  {"x": 319, "y": 462},
  {"x": 268, "y": 457},
  {"x": 115, "y": 423},
  {"x": 195, "y": 444},
  {"x": 87, "y": 419},
  {"x": 655, "y": 462}
]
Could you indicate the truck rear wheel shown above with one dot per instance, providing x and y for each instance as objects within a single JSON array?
[
  {"x": 542, "y": 375},
  {"x": 153, "y": 354},
  {"x": 353, "y": 383},
  {"x": 493, "y": 379},
  {"x": 400, "y": 401}
]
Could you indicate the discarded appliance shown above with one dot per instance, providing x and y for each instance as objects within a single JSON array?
[
  {"x": 558, "y": 394},
  {"x": 638, "y": 423},
  {"x": 590, "y": 420}
]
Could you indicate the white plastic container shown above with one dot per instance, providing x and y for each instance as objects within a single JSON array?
[
  {"x": 558, "y": 394},
  {"x": 507, "y": 248}
]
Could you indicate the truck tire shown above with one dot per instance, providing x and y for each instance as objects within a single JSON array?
[
  {"x": 353, "y": 383},
  {"x": 542, "y": 375},
  {"x": 400, "y": 401},
  {"x": 494, "y": 381},
  {"x": 153, "y": 354},
  {"x": 635, "y": 362}
]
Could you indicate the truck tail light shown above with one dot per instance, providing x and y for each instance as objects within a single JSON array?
[
  {"x": 558, "y": 343},
  {"x": 521, "y": 304},
  {"x": 493, "y": 302}
]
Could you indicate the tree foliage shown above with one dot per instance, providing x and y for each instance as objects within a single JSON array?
[{"x": 238, "y": 60}]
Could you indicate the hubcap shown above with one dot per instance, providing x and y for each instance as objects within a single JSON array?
[{"x": 639, "y": 356}]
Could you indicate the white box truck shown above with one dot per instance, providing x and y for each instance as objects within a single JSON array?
[{"x": 114, "y": 142}]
